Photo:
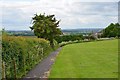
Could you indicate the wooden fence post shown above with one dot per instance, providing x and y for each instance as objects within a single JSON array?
[
  {"x": 42, "y": 52},
  {"x": 14, "y": 63},
  {"x": 3, "y": 70}
]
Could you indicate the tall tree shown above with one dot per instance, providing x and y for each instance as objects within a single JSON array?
[{"x": 46, "y": 26}]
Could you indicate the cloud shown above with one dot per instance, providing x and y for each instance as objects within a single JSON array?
[
  {"x": 72, "y": 13},
  {"x": 14, "y": 19}
]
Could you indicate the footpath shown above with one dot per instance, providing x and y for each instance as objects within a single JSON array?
[{"x": 42, "y": 70}]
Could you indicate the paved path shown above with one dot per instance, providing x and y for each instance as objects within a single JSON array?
[{"x": 42, "y": 69}]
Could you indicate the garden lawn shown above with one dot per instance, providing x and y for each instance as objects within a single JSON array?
[{"x": 98, "y": 59}]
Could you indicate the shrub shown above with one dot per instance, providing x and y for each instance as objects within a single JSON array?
[{"x": 20, "y": 54}]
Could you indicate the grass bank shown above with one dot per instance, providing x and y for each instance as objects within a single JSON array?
[{"x": 98, "y": 59}]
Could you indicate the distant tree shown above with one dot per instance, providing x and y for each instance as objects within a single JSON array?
[
  {"x": 113, "y": 30},
  {"x": 46, "y": 26},
  {"x": 65, "y": 38},
  {"x": 4, "y": 32}
]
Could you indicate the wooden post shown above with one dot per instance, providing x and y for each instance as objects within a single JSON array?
[
  {"x": 23, "y": 64},
  {"x": 42, "y": 53},
  {"x": 3, "y": 70},
  {"x": 29, "y": 58},
  {"x": 14, "y": 63}
]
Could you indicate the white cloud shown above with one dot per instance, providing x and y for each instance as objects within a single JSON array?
[{"x": 73, "y": 13}]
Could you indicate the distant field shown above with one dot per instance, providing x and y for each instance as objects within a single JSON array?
[{"x": 87, "y": 60}]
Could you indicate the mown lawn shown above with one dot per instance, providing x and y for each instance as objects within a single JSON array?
[{"x": 87, "y": 60}]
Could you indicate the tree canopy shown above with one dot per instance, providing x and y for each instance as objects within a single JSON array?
[
  {"x": 46, "y": 26},
  {"x": 113, "y": 30}
]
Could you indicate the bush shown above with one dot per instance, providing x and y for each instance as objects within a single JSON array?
[
  {"x": 20, "y": 54},
  {"x": 66, "y": 38}
]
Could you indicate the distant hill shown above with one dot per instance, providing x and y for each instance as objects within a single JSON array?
[
  {"x": 65, "y": 31},
  {"x": 85, "y": 30},
  {"x": 20, "y": 32}
]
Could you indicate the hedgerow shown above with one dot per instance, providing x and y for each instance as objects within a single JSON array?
[{"x": 20, "y": 54}]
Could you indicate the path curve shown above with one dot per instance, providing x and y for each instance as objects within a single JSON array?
[{"x": 43, "y": 68}]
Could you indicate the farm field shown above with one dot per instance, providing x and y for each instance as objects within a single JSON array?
[{"x": 98, "y": 59}]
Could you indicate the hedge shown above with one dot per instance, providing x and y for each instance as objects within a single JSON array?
[{"x": 20, "y": 54}]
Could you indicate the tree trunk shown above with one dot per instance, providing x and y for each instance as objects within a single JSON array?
[{"x": 52, "y": 44}]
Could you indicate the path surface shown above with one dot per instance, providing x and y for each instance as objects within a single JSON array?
[{"x": 42, "y": 69}]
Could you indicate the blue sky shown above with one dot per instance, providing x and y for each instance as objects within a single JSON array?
[{"x": 17, "y": 14}]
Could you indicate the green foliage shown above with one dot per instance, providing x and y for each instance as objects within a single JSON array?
[
  {"x": 113, "y": 30},
  {"x": 24, "y": 53},
  {"x": 65, "y": 38},
  {"x": 46, "y": 26}
]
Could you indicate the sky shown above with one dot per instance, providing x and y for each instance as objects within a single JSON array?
[{"x": 74, "y": 14}]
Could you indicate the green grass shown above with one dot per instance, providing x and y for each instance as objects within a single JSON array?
[{"x": 87, "y": 60}]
